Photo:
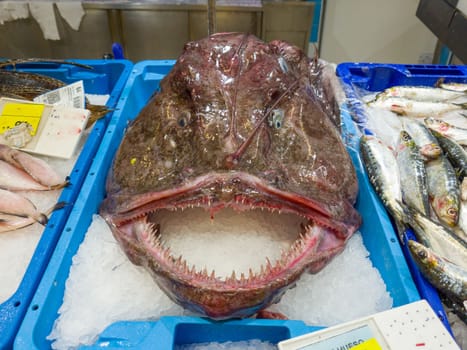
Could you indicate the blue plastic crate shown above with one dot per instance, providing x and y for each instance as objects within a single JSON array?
[
  {"x": 373, "y": 77},
  {"x": 106, "y": 77},
  {"x": 378, "y": 237}
]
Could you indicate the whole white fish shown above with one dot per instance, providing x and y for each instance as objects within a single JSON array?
[
  {"x": 427, "y": 143},
  {"x": 12, "y": 222},
  {"x": 418, "y": 109},
  {"x": 36, "y": 168},
  {"x": 14, "y": 204},
  {"x": 421, "y": 93},
  {"x": 446, "y": 129},
  {"x": 14, "y": 179}
]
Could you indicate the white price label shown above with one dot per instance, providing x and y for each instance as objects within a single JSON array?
[{"x": 71, "y": 95}]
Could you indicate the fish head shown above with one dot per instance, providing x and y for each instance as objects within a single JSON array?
[
  {"x": 243, "y": 124},
  {"x": 447, "y": 208}
]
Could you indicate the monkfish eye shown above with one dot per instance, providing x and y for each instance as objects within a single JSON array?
[
  {"x": 184, "y": 119},
  {"x": 283, "y": 64},
  {"x": 277, "y": 118}
]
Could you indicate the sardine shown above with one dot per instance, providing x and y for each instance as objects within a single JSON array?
[
  {"x": 460, "y": 87},
  {"x": 427, "y": 143},
  {"x": 446, "y": 129},
  {"x": 450, "y": 278},
  {"x": 12, "y": 203},
  {"x": 35, "y": 167},
  {"x": 455, "y": 153},
  {"x": 413, "y": 174},
  {"x": 444, "y": 190},
  {"x": 411, "y": 108},
  {"x": 439, "y": 238},
  {"x": 421, "y": 93},
  {"x": 383, "y": 173}
]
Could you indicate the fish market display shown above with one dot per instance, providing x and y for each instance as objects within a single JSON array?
[
  {"x": 431, "y": 152},
  {"x": 20, "y": 171},
  {"x": 27, "y": 86},
  {"x": 241, "y": 124}
]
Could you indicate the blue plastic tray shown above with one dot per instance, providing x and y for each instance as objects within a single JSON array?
[
  {"x": 106, "y": 77},
  {"x": 373, "y": 77},
  {"x": 377, "y": 232}
]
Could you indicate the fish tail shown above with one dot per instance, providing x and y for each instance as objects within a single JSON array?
[{"x": 43, "y": 218}]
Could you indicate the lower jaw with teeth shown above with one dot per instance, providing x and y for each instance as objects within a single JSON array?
[{"x": 229, "y": 266}]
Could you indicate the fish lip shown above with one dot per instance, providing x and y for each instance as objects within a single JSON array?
[
  {"x": 343, "y": 221},
  {"x": 232, "y": 297}
]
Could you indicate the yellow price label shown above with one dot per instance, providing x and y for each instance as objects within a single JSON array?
[
  {"x": 370, "y": 344},
  {"x": 14, "y": 114}
]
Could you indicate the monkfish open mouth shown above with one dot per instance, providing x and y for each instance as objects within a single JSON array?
[{"x": 306, "y": 238}]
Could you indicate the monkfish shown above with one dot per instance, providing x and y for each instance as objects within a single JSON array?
[{"x": 242, "y": 124}]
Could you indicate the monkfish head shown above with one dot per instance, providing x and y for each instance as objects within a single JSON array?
[{"x": 241, "y": 124}]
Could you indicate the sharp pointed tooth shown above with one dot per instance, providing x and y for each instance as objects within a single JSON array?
[
  {"x": 251, "y": 275},
  {"x": 242, "y": 278},
  {"x": 213, "y": 275},
  {"x": 233, "y": 277},
  {"x": 268, "y": 264}
]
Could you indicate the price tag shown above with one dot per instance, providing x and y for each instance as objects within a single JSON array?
[
  {"x": 14, "y": 114},
  {"x": 71, "y": 95},
  {"x": 61, "y": 131}
]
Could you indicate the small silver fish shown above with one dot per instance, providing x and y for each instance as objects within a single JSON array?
[
  {"x": 427, "y": 143},
  {"x": 455, "y": 153},
  {"x": 450, "y": 278},
  {"x": 444, "y": 190},
  {"x": 417, "y": 109},
  {"x": 413, "y": 174},
  {"x": 383, "y": 173},
  {"x": 421, "y": 93},
  {"x": 446, "y": 129},
  {"x": 459, "y": 87},
  {"x": 442, "y": 240}
]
